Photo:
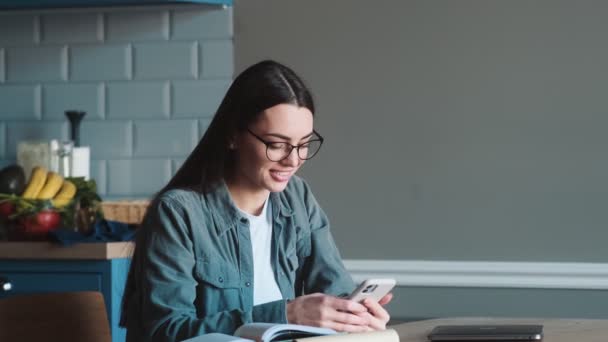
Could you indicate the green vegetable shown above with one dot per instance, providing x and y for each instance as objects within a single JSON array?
[
  {"x": 86, "y": 192},
  {"x": 86, "y": 206}
]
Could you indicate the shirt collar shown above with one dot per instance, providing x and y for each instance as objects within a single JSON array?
[{"x": 227, "y": 215}]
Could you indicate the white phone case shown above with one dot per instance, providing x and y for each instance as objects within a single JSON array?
[{"x": 373, "y": 288}]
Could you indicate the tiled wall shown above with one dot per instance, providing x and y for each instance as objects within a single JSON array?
[{"x": 149, "y": 79}]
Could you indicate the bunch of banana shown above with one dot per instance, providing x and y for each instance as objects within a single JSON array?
[
  {"x": 36, "y": 183},
  {"x": 65, "y": 194},
  {"x": 46, "y": 185}
]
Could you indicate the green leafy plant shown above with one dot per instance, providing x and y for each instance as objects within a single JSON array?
[
  {"x": 85, "y": 208},
  {"x": 86, "y": 192}
]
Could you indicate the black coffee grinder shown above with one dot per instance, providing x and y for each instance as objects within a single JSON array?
[{"x": 75, "y": 117}]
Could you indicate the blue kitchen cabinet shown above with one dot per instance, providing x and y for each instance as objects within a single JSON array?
[{"x": 39, "y": 275}]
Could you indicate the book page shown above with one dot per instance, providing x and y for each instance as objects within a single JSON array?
[
  {"x": 217, "y": 337},
  {"x": 389, "y": 335},
  {"x": 263, "y": 332}
]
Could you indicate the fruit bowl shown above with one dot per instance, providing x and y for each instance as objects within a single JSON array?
[
  {"x": 49, "y": 202},
  {"x": 37, "y": 226}
]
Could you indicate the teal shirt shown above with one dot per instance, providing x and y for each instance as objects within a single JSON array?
[{"x": 192, "y": 270}]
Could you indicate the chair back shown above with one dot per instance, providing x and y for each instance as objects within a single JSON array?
[{"x": 50, "y": 317}]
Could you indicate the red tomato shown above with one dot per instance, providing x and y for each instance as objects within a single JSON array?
[
  {"x": 37, "y": 225},
  {"x": 6, "y": 208}
]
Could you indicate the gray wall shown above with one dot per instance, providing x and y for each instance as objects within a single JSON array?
[
  {"x": 467, "y": 130},
  {"x": 456, "y": 130},
  {"x": 149, "y": 78}
]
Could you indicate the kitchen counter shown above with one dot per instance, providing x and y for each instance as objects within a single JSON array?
[{"x": 53, "y": 251}]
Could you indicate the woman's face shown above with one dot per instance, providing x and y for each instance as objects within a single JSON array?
[{"x": 281, "y": 123}]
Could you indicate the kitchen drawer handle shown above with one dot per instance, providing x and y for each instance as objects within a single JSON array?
[{"x": 5, "y": 285}]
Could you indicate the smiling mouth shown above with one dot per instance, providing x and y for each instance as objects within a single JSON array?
[{"x": 281, "y": 175}]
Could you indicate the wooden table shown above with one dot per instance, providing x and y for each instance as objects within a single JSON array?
[{"x": 555, "y": 330}]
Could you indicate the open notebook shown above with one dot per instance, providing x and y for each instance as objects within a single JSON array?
[
  {"x": 270, "y": 332},
  {"x": 265, "y": 332}
]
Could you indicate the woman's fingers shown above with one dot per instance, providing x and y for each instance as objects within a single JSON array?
[
  {"x": 328, "y": 311},
  {"x": 346, "y": 305},
  {"x": 349, "y": 328},
  {"x": 376, "y": 310},
  {"x": 349, "y": 318},
  {"x": 339, "y": 314},
  {"x": 344, "y": 315},
  {"x": 378, "y": 317},
  {"x": 374, "y": 323},
  {"x": 386, "y": 299}
]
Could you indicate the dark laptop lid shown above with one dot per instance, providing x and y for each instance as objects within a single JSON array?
[{"x": 487, "y": 332}]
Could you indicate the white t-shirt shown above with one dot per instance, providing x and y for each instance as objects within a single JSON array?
[{"x": 265, "y": 288}]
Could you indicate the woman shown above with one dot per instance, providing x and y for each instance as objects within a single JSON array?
[{"x": 235, "y": 237}]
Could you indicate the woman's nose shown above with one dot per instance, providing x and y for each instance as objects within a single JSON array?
[{"x": 292, "y": 158}]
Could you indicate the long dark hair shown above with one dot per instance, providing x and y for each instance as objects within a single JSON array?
[{"x": 259, "y": 87}]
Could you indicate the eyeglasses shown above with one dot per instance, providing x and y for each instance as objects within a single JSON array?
[{"x": 277, "y": 151}]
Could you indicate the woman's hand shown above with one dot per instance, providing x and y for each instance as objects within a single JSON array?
[
  {"x": 378, "y": 317},
  {"x": 326, "y": 311},
  {"x": 386, "y": 299}
]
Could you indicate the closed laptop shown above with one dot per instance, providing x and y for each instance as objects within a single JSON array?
[{"x": 482, "y": 332}]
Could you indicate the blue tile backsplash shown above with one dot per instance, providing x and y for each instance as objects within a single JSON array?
[
  {"x": 36, "y": 64},
  {"x": 148, "y": 141},
  {"x": 115, "y": 142},
  {"x": 151, "y": 26},
  {"x": 56, "y": 97},
  {"x": 179, "y": 60},
  {"x": 20, "y": 102},
  {"x": 137, "y": 176},
  {"x": 17, "y": 29},
  {"x": 149, "y": 78},
  {"x": 138, "y": 100},
  {"x": 101, "y": 62},
  {"x": 59, "y": 28}
]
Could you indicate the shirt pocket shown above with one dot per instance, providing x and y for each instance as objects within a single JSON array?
[
  {"x": 218, "y": 287},
  {"x": 303, "y": 247},
  {"x": 292, "y": 261}
]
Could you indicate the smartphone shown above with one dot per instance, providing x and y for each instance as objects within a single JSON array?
[
  {"x": 481, "y": 332},
  {"x": 374, "y": 288}
]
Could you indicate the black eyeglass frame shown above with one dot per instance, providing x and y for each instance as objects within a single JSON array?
[{"x": 292, "y": 147}]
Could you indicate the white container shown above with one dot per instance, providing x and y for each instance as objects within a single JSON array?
[{"x": 81, "y": 162}]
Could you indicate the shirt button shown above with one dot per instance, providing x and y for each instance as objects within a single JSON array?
[
  {"x": 247, "y": 284},
  {"x": 220, "y": 279}
]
